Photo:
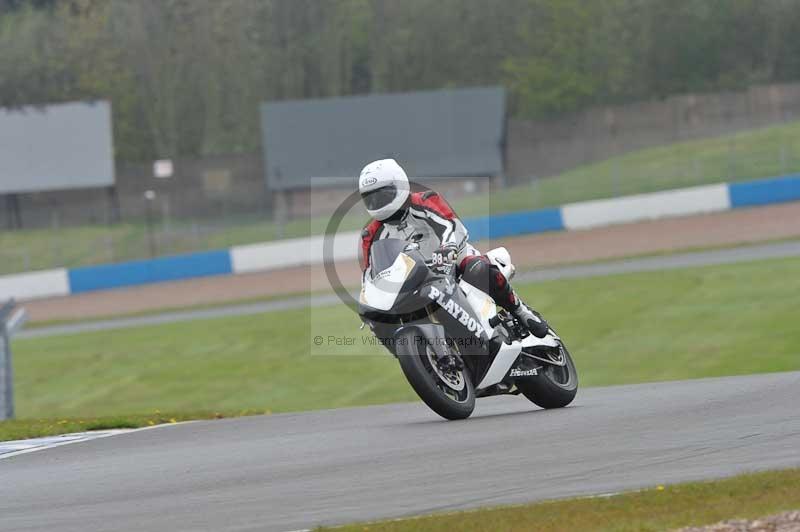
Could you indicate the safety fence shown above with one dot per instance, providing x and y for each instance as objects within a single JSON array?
[{"x": 309, "y": 250}]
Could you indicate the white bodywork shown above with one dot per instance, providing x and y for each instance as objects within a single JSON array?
[
  {"x": 501, "y": 258},
  {"x": 508, "y": 354},
  {"x": 381, "y": 293},
  {"x": 484, "y": 306}
]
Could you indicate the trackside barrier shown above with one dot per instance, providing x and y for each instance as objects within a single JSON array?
[
  {"x": 515, "y": 223},
  {"x": 138, "y": 272},
  {"x": 628, "y": 209},
  {"x": 765, "y": 191},
  {"x": 31, "y": 285},
  {"x": 10, "y": 322},
  {"x": 291, "y": 252},
  {"x": 301, "y": 251}
]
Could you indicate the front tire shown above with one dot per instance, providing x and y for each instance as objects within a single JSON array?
[
  {"x": 554, "y": 387},
  {"x": 444, "y": 398}
]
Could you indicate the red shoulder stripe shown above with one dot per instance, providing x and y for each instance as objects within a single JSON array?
[{"x": 434, "y": 202}]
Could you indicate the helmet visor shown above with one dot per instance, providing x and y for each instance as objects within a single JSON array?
[{"x": 380, "y": 197}]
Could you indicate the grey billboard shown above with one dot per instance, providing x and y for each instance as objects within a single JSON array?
[
  {"x": 443, "y": 133},
  {"x": 55, "y": 147}
]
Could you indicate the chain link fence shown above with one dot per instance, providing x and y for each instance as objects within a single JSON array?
[
  {"x": 244, "y": 215},
  {"x": 217, "y": 202}
]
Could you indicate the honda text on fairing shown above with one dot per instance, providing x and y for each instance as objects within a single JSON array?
[{"x": 449, "y": 338}]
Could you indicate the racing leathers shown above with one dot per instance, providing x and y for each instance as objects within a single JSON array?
[{"x": 428, "y": 220}]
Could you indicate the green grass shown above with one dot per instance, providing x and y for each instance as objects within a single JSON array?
[
  {"x": 36, "y": 249},
  {"x": 19, "y": 429},
  {"x": 724, "y": 320},
  {"x": 220, "y": 303},
  {"x": 661, "y": 508},
  {"x": 274, "y": 297},
  {"x": 747, "y": 155}
]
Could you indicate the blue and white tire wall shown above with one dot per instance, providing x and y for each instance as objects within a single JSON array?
[{"x": 301, "y": 251}]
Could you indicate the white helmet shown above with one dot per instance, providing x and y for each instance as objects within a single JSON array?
[{"x": 384, "y": 188}]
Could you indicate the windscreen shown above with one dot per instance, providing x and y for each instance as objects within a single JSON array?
[{"x": 384, "y": 252}]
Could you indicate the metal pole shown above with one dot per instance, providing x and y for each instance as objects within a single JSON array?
[
  {"x": 6, "y": 374},
  {"x": 149, "y": 196},
  {"x": 6, "y": 378},
  {"x": 10, "y": 323}
]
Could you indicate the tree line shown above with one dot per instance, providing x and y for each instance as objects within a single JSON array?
[{"x": 185, "y": 77}]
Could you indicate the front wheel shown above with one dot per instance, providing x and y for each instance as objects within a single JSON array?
[
  {"x": 447, "y": 391},
  {"x": 555, "y": 386}
]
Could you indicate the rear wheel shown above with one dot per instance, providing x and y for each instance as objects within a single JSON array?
[
  {"x": 448, "y": 391},
  {"x": 555, "y": 386}
]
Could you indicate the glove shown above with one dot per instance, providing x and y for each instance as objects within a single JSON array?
[{"x": 446, "y": 254}]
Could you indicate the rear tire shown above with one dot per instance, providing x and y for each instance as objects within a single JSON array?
[
  {"x": 416, "y": 365},
  {"x": 554, "y": 387}
]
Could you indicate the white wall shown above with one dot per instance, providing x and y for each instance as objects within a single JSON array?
[
  {"x": 583, "y": 215},
  {"x": 309, "y": 250},
  {"x": 681, "y": 202},
  {"x": 292, "y": 252},
  {"x": 46, "y": 283}
]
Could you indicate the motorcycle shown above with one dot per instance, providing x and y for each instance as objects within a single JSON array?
[{"x": 452, "y": 343}]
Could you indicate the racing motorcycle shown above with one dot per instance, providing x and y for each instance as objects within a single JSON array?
[{"x": 452, "y": 343}]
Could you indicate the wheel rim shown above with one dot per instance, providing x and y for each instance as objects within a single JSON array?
[
  {"x": 451, "y": 383},
  {"x": 560, "y": 375}
]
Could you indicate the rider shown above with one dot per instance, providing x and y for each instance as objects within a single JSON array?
[{"x": 426, "y": 218}]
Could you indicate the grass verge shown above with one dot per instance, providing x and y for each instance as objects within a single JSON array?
[
  {"x": 750, "y": 154},
  {"x": 661, "y": 508},
  {"x": 290, "y": 295},
  {"x": 19, "y": 429},
  {"x": 180, "y": 308},
  {"x": 643, "y": 327}
]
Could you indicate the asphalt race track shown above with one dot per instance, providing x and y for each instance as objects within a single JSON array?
[{"x": 296, "y": 471}]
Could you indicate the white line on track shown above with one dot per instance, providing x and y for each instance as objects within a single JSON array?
[{"x": 17, "y": 447}]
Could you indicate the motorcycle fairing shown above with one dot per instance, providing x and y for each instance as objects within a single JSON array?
[
  {"x": 381, "y": 290},
  {"x": 410, "y": 291},
  {"x": 484, "y": 307}
]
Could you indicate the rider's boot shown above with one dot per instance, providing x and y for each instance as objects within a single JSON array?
[
  {"x": 531, "y": 319},
  {"x": 481, "y": 273}
]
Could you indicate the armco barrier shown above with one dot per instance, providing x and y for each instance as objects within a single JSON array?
[
  {"x": 31, "y": 285},
  {"x": 138, "y": 272},
  {"x": 514, "y": 223},
  {"x": 291, "y": 252},
  {"x": 627, "y": 209},
  {"x": 299, "y": 251},
  {"x": 765, "y": 191}
]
